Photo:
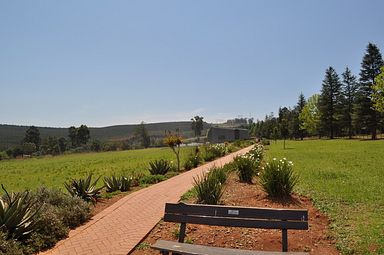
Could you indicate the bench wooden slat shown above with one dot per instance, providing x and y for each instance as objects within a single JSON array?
[
  {"x": 194, "y": 249},
  {"x": 235, "y": 211},
  {"x": 235, "y": 222}
]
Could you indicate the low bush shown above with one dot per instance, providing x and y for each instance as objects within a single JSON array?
[
  {"x": 209, "y": 188},
  {"x": 211, "y": 152},
  {"x": 72, "y": 211},
  {"x": 278, "y": 178},
  {"x": 245, "y": 167},
  {"x": 126, "y": 183},
  {"x": 157, "y": 167},
  {"x": 9, "y": 246},
  {"x": 193, "y": 160},
  {"x": 49, "y": 229},
  {"x": 84, "y": 188},
  {"x": 152, "y": 179},
  {"x": 219, "y": 173}
]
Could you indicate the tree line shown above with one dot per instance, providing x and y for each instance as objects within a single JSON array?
[{"x": 346, "y": 106}]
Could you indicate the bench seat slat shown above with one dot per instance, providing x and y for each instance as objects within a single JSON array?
[
  {"x": 235, "y": 222},
  {"x": 243, "y": 212},
  {"x": 194, "y": 249}
]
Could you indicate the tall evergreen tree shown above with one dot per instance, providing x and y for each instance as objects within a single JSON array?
[
  {"x": 297, "y": 132},
  {"x": 366, "y": 115},
  {"x": 348, "y": 88},
  {"x": 330, "y": 103}
]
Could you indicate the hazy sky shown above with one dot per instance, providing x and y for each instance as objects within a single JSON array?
[{"x": 103, "y": 63}]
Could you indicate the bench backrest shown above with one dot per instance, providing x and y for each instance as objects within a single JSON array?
[{"x": 233, "y": 216}]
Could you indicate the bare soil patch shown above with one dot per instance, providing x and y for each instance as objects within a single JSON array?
[{"x": 315, "y": 240}]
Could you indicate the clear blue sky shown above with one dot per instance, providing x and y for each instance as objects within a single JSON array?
[{"x": 103, "y": 63}]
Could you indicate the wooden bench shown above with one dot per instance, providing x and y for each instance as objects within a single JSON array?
[{"x": 230, "y": 216}]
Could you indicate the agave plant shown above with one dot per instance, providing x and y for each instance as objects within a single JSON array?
[
  {"x": 17, "y": 214},
  {"x": 84, "y": 188},
  {"x": 112, "y": 183},
  {"x": 125, "y": 183},
  {"x": 161, "y": 166}
]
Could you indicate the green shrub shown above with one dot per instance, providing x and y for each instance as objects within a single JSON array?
[
  {"x": 245, "y": 167},
  {"x": 49, "y": 229},
  {"x": 219, "y": 173},
  {"x": 125, "y": 183},
  {"x": 17, "y": 214},
  {"x": 152, "y": 179},
  {"x": 3, "y": 155},
  {"x": 157, "y": 167},
  {"x": 193, "y": 160},
  {"x": 9, "y": 246},
  {"x": 84, "y": 188},
  {"x": 112, "y": 183},
  {"x": 209, "y": 188},
  {"x": 278, "y": 178},
  {"x": 72, "y": 211},
  {"x": 213, "y": 151},
  {"x": 257, "y": 152}
]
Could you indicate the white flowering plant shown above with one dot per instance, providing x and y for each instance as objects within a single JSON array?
[{"x": 278, "y": 178}]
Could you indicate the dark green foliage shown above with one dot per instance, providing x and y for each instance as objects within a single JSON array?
[
  {"x": 193, "y": 159},
  {"x": 157, "y": 167},
  {"x": 114, "y": 183},
  {"x": 9, "y": 246},
  {"x": 79, "y": 136},
  {"x": 96, "y": 145},
  {"x": 295, "y": 123},
  {"x": 84, "y": 188},
  {"x": 32, "y": 135},
  {"x": 349, "y": 88},
  {"x": 152, "y": 179},
  {"x": 246, "y": 168},
  {"x": 365, "y": 115},
  {"x": 219, "y": 173},
  {"x": 17, "y": 214},
  {"x": 330, "y": 104},
  {"x": 52, "y": 146},
  {"x": 211, "y": 152},
  {"x": 278, "y": 178},
  {"x": 58, "y": 213},
  {"x": 125, "y": 184},
  {"x": 197, "y": 125},
  {"x": 209, "y": 187}
]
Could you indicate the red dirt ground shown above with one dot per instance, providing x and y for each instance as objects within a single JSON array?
[{"x": 315, "y": 240}]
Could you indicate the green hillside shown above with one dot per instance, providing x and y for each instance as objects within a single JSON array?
[{"x": 11, "y": 135}]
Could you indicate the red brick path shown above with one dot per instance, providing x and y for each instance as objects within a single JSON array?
[{"x": 120, "y": 227}]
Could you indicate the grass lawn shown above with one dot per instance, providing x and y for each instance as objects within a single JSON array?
[
  {"x": 31, "y": 173},
  {"x": 346, "y": 180}
]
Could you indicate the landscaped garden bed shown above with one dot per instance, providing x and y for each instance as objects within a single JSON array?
[{"x": 314, "y": 240}]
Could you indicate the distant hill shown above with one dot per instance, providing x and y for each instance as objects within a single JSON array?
[{"x": 11, "y": 135}]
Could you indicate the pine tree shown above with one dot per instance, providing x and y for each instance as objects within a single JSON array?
[
  {"x": 349, "y": 88},
  {"x": 296, "y": 122},
  {"x": 366, "y": 115},
  {"x": 330, "y": 103}
]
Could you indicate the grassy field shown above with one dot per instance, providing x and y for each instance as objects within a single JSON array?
[
  {"x": 31, "y": 173},
  {"x": 346, "y": 180}
]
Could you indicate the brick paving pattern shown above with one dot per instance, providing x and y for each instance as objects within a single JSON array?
[{"x": 120, "y": 227}]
